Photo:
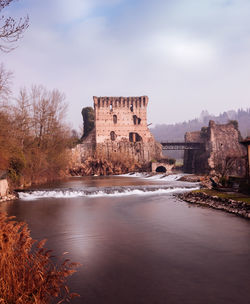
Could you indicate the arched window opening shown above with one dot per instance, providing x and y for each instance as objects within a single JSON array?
[
  {"x": 115, "y": 119},
  {"x": 112, "y": 135},
  {"x": 136, "y": 120},
  {"x": 134, "y": 137},
  {"x": 161, "y": 169},
  {"x": 111, "y": 107},
  {"x": 131, "y": 107}
]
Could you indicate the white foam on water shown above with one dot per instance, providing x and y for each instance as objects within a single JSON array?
[
  {"x": 158, "y": 177},
  {"x": 33, "y": 195}
]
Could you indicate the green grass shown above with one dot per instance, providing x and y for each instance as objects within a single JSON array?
[{"x": 228, "y": 195}]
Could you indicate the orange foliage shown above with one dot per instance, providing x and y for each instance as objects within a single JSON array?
[{"x": 28, "y": 274}]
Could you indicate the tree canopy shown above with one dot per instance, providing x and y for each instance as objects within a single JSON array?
[
  {"x": 34, "y": 137},
  {"x": 88, "y": 116}
]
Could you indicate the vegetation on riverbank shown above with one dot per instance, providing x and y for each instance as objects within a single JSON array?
[
  {"x": 117, "y": 163},
  {"x": 28, "y": 274},
  {"x": 34, "y": 137},
  {"x": 225, "y": 195},
  {"x": 236, "y": 204}
]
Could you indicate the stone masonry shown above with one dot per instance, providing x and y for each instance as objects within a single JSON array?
[
  {"x": 222, "y": 153},
  {"x": 121, "y": 127},
  {"x": 120, "y": 131}
]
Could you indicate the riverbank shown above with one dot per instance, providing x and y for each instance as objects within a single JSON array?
[
  {"x": 9, "y": 197},
  {"x": 11, "y": 190},
  {"x": 235, "y": 203},
  {"x": 103, "y": 167}
]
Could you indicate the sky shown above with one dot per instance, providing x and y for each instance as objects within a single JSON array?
[{"x": 186, "y": 55}]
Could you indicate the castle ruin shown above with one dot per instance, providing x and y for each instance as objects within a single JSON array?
[
  {"x": 120, "y": 130},
  {"x": 121, "y": 127},
  {"x": 221, "y": 152}
]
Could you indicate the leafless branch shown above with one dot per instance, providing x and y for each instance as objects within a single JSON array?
[
  {"x": 5, "y": 83},
  {"x": 11, "y": 30}
]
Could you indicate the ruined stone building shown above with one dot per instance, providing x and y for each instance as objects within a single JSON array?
[
  {"x": 246, "y": 143},
  {"x": 121, "y": 130},
  {"x": 4, "y": 187},
  {"x": 221, "y": 151}
]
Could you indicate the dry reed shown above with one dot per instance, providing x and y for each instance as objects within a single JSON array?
[{"x": 27, "y": 273}]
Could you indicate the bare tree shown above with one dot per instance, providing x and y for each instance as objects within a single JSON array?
[
  {"x": 5, "y": 83},
  {"x": 230, "y": 164},
  {"x": 11, "y": 30},
  {"x": 48, "y": 112},
  {"x": 22, "y": 117}
]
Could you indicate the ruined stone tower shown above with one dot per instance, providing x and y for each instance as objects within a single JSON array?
[
  {"x": 222, "y": 152},
  {"x": 121, "y": 127},
  {"x": 120, "y": 135},
  {"x": 118, "y": 118}
]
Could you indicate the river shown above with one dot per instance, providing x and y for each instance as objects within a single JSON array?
[{"x": 138, "y": 243}]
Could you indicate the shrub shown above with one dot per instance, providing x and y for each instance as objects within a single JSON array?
[
  {"x": 224, "y": 181},
  {"x": 88, "y": 116},
  {"x": 171, "y": 161},
  {"x": 234, "y": 123},
  {"x": 16, "y": 165},
  {"x": 28, "y": 274}
]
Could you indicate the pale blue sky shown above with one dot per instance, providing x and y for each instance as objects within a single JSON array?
[{"x": 186, "y": 55}]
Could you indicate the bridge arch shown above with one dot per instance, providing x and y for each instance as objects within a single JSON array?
[{"x": 161, "y": 169}]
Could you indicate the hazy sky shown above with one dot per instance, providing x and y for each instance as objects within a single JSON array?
[{"x": 186, "y": 55}]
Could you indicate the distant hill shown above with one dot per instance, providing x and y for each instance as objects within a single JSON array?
[
  {"x": 169, "y": 132},
  {"x": 176, "y": 132}
]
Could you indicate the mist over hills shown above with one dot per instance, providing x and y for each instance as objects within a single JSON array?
[{"x": 176, "y": 132}]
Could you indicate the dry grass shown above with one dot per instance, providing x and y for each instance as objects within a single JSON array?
[{"x": 28, "y": 274}]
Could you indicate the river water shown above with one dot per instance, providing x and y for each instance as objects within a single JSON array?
[{"x": 138, "y": 243}]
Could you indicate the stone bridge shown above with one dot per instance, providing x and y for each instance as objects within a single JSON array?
[
  {"x": 182, "y": 146},
  {"x": 161, "y": 167}
]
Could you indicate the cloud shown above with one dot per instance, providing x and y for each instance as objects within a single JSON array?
[
  {"x": 184, "y": 50},
  {"x": 186, "y": 55}
]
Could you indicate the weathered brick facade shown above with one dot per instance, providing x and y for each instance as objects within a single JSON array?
[
  {"x": 120, "y": 131},
  {"x": 121, "y": 115},
  {"x": 121, "y": 127}
]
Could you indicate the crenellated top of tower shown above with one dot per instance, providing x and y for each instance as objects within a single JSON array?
[{"x": 139, "y": 101}]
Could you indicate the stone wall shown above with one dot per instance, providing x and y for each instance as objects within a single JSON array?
[
  {"x": 120, "y": 137},
  {"x": 84, "y": 150},
  {"x": 222, "y": 154},
  {"x": 4, "y": 187},
  {"x": 196, "y": 161},
  {"x": 121, "y": 128},
  {"x": 138, "y": 151},
  {"x": 121, "y": 115},
  {"x": 246, "y": 143},
  {"x": 159, "y": 167}
]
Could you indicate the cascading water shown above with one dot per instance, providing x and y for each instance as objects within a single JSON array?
[
  {"x": 137, "y": 242},
  {"x": 164, "y": 186}
]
